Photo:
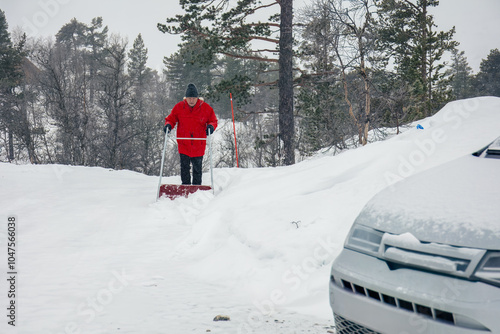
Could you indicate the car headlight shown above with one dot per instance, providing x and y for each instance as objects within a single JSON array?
[
  {"x": 364, "y": 239},
  {"x": 488, "y": 269}
]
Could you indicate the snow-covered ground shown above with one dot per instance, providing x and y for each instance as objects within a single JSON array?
[{"x": 97, "y": 254}]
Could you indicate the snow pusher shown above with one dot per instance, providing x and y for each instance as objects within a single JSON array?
[{"x": 173, "y": 191}]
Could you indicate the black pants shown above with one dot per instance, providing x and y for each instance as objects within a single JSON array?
[{"x": 186, "y": 163}]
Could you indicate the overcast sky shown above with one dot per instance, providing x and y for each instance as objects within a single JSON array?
[{"x": 477, "y": 22}]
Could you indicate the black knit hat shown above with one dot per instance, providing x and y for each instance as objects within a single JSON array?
[{"x": 191, "y": 91}]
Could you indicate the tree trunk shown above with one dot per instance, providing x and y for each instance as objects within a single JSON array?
[
  {"x": 285, "y": 84},
  {"x": 364, "y": 141},
  {"x": 11, "y": 146}
]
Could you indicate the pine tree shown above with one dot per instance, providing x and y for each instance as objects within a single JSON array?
[
  {"x": 461, "y": 76},
  {"x": 317, "y": 99},
  {"x": 11, "y": 74},
  {"x": 137, "y": 67},
  {"x": 72, "y": 34},
  {"x": 416, "y": 49},
  {"x": 5, "y": 41},
  {"x": 489, "y": 75},
  {"x": 96, "y": 37},
  {"x": 182, "y": 68}
]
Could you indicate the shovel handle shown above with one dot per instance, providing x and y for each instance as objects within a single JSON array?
[
  {"x": 188, "y": 138},
  {"x": 162, "y": 163}
]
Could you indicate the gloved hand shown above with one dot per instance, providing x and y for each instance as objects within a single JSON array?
[
  {"x": 167, "y": 128},
  {"x": 210, "y": 129}
]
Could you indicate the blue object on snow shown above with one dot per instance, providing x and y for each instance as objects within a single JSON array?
[{"x": 420, "y": 127}]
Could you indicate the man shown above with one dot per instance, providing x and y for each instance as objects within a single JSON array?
[{"x": 195, "y": 119}]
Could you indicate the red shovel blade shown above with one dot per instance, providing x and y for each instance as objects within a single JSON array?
[{"x": 173, "y": 191}]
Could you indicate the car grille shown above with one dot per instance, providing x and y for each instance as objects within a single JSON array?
[
  {"x": 344, "y": 326},
  {"x": 399, "y": 303},
  {"x": 406, "y": 305}
]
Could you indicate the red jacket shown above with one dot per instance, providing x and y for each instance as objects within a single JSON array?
[{"x": 192, "y": 124}]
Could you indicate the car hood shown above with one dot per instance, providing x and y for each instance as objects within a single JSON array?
[{"x": 456, "y": 203}]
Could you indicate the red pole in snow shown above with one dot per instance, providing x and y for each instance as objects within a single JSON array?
[{"x": 234, "y": 130}]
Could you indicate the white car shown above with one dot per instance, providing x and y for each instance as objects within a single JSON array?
[{"x": 423, "y": 256}]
